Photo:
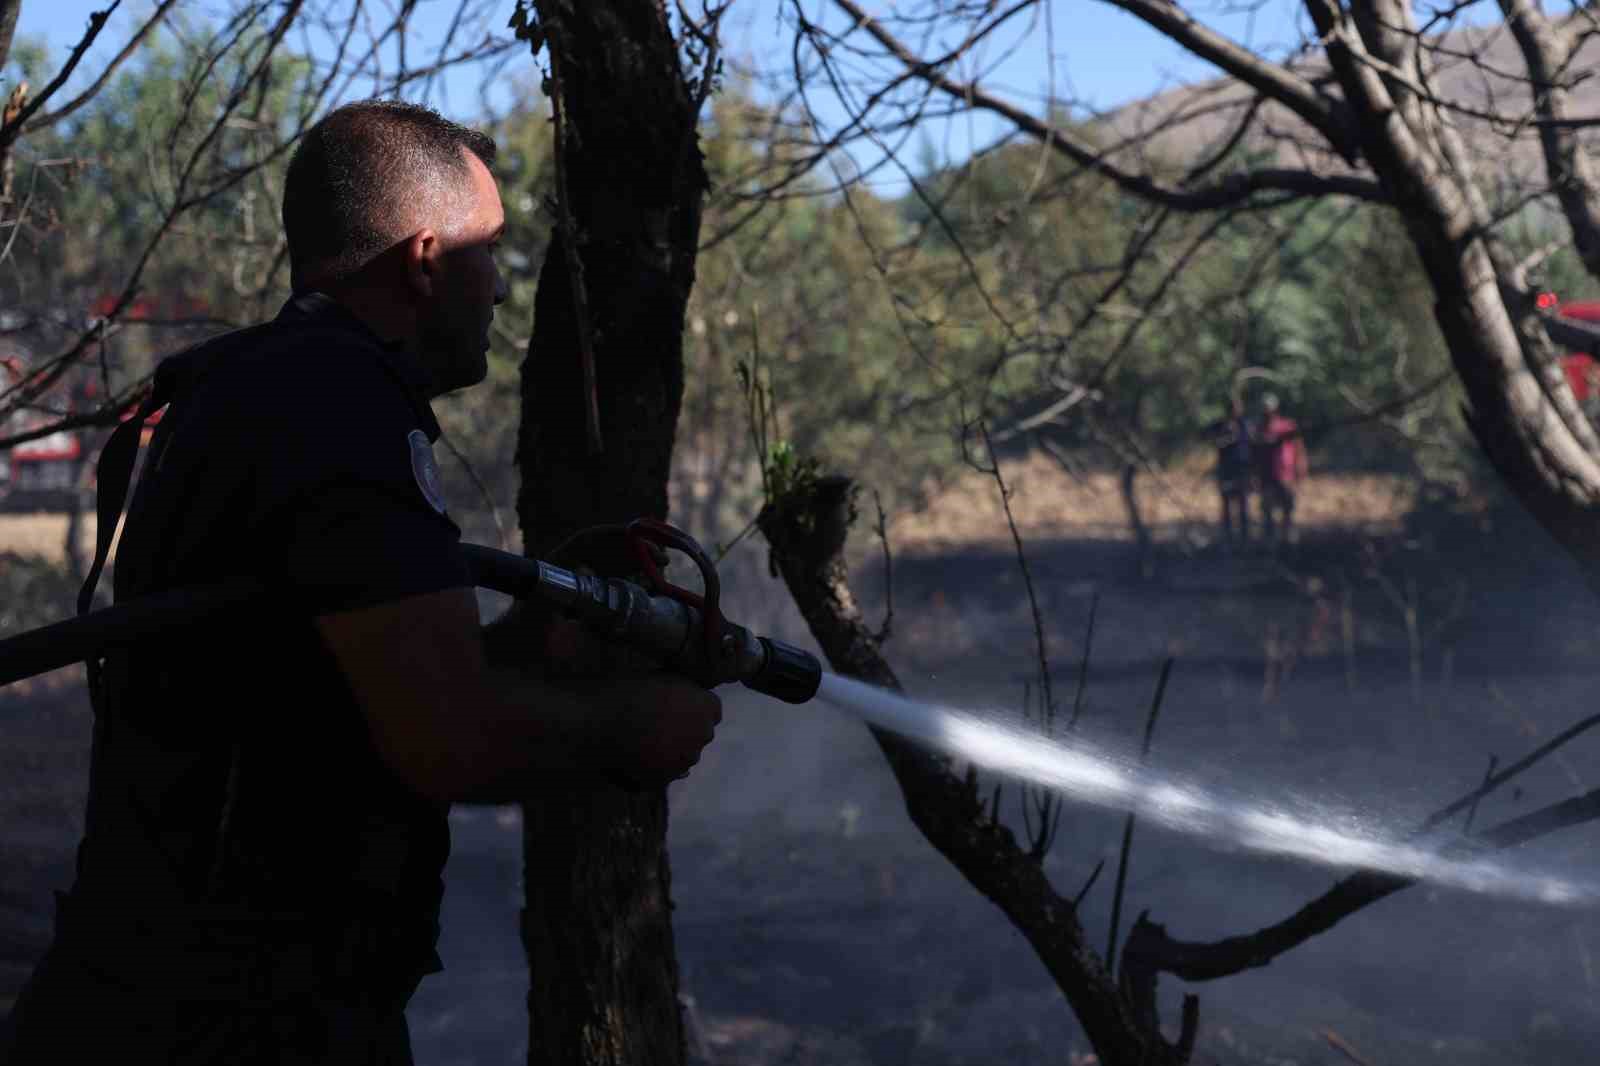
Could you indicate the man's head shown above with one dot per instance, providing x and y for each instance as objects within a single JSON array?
[
  {"x": 1269, "y": 403},
  {"x": 391, "y": 209}
]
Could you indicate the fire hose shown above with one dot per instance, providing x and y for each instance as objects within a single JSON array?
[{"x": 684, "y": 630}]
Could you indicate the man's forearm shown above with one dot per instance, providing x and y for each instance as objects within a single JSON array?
[{"x": 523, "y": 727}]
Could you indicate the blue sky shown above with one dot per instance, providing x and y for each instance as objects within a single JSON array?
[{"x": 1087, "y": 51}]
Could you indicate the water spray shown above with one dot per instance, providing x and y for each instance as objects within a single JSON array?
[
  {"x": 687, "y": 632},
  {"x": 1307, "y": 830}
]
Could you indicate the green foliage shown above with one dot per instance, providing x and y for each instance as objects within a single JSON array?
[
  {"x": 789, "y": 473},
  {"x": 148, "y": 168},
  {"x": 874, "y": 329}
]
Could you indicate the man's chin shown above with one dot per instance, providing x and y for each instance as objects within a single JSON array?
[
  {"x": 472, "y": 371},
  {"x": 475, "y": 368}
]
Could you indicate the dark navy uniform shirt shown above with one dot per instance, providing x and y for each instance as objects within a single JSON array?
[{"x": 232, "y": 765}]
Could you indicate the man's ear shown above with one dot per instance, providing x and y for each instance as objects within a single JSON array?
[{"x": 422, "y": 251}]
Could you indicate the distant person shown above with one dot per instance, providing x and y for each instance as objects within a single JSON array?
[
  {"x": 1232, "y": 437},
  {"x": 1283, "y": 466}
]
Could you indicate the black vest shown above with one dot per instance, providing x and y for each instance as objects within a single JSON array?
[{"x": 233, "y": 784}]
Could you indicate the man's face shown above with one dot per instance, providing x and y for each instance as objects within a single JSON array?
[{"x": 453, "y": 322}]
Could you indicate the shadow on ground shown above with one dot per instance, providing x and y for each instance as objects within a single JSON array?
[{"x": 816, "y": 926}]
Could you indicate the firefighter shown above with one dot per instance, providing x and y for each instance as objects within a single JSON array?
[
  {"x": 1232, "y": 437},
  {"x": 259, "y": 877},
  {"x": 1282, "y": 467}
]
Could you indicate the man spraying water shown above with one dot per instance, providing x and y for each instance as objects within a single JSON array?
[{"x": 259, "y": 878}]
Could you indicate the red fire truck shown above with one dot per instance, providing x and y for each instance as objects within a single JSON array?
[
  {"x": 48, "y": 472},
  {"x": 42, "y": 472},
  {"x": 1583, "y": 369}
]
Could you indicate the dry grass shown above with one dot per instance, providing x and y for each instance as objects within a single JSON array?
[
  {"x": 1046, "y": 500},
  {"x": 44, "y": 535},
  {"x": 1050, "y": 503}
]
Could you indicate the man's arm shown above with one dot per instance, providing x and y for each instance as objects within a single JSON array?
[{"x": 455, "y": 728}]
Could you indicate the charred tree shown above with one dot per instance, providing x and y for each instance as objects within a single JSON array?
[
  {"x": 601, "y": 390},
  {"x": 806, "y": 530}
]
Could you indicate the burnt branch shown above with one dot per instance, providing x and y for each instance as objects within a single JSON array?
[
  {"x": 805, "y": 533},
  {"x": 1149, "y": 950},
  {"x": 1127, "y": 827}
]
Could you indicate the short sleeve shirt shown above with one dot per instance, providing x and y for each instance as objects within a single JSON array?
[{"x": 236, "y": 763}]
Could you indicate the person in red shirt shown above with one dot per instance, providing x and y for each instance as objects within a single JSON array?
[{"x": 1283, "y": 466}]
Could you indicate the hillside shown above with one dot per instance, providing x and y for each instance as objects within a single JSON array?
[{"x": 1477, "y": 69}]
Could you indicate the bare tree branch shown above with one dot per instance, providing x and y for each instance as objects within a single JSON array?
[
  {"x": 1326, "y": 114},
  {"x": 1150, "y": 949},
  {"x": 1231, "y": 190},
  {"x": 43, "y": 121},
  {"x": 9, "y": 10},
  {"x": 1548, "y": 53},
  {"x": 10, "y": 131}
]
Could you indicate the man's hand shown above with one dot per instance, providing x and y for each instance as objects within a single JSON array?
[
  {"x": 652, "y": 729},
  {"x": 573, "y": 650},
  {"x": 454, "y": 728}
]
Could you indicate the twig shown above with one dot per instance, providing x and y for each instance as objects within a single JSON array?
[
  {"x": 1531, "y": 826},
  {"x": 40, "y": 122},
  {"x": 1310, "y": 433},
  {"x": 11, "y": 130},
  {"x": 1530, "y": 729},
  {"x": 1339, "y": 1044},
  {"x": 1158, "y": 952},
  {"x": 1127, "y": 828},
  {"x": 722, "y": 550},
  {"x": 1047, "y": 806},
  {"x": 1078, "y": 697},
  {"x": 1077, "y": 901},
  {"x": 1472, "y": 811},
  {"x": 1507, "y": 774},
  {"x": 888, "y": 580}
]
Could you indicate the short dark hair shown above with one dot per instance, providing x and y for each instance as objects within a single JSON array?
[{"x": 351, "y": 171}]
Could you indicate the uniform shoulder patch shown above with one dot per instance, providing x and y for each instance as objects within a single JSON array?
[{"x": 425, "y": 470}]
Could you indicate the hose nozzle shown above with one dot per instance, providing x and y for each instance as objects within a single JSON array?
[{"x": 788, "y": 673}]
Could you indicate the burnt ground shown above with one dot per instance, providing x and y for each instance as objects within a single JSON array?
[{"x": 816, "y": 926}]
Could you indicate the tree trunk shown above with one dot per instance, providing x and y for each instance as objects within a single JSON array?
[
  {"x": 597, "y": 918},
  {"x": 1520, "y": 408},
  {"x": 1143, "y": 564},
  {"x": 9, "y": 10}
]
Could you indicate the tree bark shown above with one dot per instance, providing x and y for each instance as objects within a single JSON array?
[
  {"x": 1525, "y": 417},
  {"x": 9, "y": 10},
  {"x": 597, "y": 918}
]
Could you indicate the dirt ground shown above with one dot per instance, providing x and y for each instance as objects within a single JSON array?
[{"x": 814, "y": 924}]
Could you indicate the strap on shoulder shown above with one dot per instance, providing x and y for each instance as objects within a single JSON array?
[
  {"x": 112, "y": 474},
  {"x": 177, "y": 373}
]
